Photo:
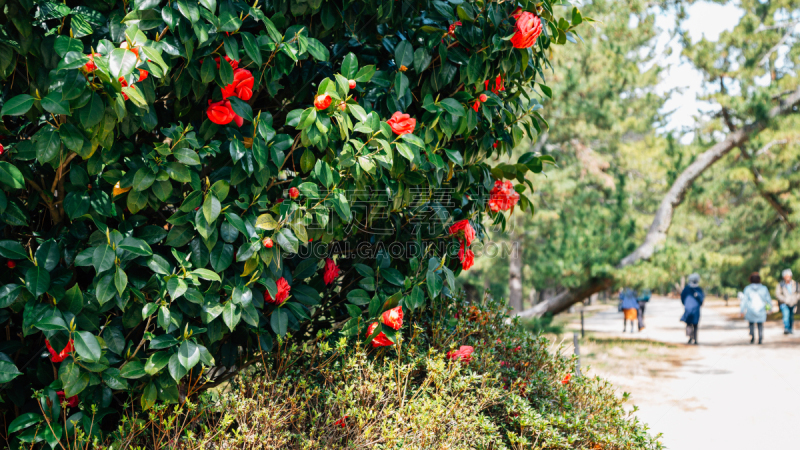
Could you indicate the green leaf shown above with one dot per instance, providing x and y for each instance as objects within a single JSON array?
[
  {"x": 211, "y": 208},
  {"x": 279, "y": 321},
  {"x": 228, "y": 18},
  {"x": 53, "y": 103},
  {"x": 92, "y": 113},
  {"x": 48, "y": 144},
  {"x": 103, "y": 258},
  {"x": 11, "y": 176},
  {"x": 87, "y": 346},
  {"x": 241, "y": 108},
  {"x": 231, "y": 315},
  {"x": 251, "y": 47},
  {"x": 24, "y": 421},
  {"x": 121, "y": 62},
  {"x": 37, "y": 281},
  {"x": 350, "y": 66},
  {"x": 136, "y": 246},
  {"x": 208, "y": 70},
  {"x": 132, "y": 370},
  {"x": 52, "y": 323},
  {"x": 358, "y": 297},
  {"x": 105, "y": 289},
  {"x": 176, "y": 287},
  {"x": 156, "y": 362},
  {"x": 8, "y": 371},
  {"x": 149, "y": 395},
  {"x": 189, "y": 10},
  {"x": 12, "y": 250},
  {"x": 206, "y": 274},
  {"x": 404, "y": 54},
  {"x": 72, "y": 60},
  {"x": 286, "y": 239},
  {"x": 188, "y": 355},
  {"x": 17, "y": 106},
  {"x": 120, "y": 280},
  {"x": 453, "y": 106}
]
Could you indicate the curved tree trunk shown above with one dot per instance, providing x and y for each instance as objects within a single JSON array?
[{"x": 663, "y": 217}]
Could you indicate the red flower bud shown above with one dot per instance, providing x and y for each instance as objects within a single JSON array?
[
  {"x": 352, "y": 84},
  {"x": 294, "y": 193},
  {"x": 57, "y": 357},
  {"x": 11, "y": 264},
  {"x": 143, "y": 74},
  {"x": 91, "y": 66},
  {"x": 322, "y": 102},
  {"x": 268, "y": 242},
  {"x": 483, "y": 98}
]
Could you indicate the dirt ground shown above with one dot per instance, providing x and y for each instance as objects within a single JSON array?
[{"x": 721, "y": 394}]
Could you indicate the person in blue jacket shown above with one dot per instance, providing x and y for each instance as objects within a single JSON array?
[
  {"x": 692, "y": 298},
  {"x": 629, "y": 306},
  {"x": 755, "y": 303}
]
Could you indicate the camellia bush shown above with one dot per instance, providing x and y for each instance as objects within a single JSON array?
[{"x": 186, "y": 183}]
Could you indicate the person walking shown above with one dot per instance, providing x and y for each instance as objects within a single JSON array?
[
  {"x": 644, "y": 297},
  {"x": 787, "y": 293},
  {"x": 755, "y": 302},
  {"x": 692, "y": 298},
  {"x": 629, "y": 306}
]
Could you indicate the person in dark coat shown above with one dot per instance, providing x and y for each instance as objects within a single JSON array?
[
  {"x": 629, "y": 306},
  {"x": 692, "y": 298},
  {"x": 644, "y": 297}
]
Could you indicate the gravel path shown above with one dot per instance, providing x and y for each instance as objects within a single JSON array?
[{"x": 722, "y": 394}]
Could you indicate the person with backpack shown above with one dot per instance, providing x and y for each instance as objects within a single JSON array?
[
  {"x": 692, "y": 298},
  {"x": 787, "y": 293},
  {"x": 755, "y": 302},
  {"x": 629, "y": 306},
  {"x": 644, "y": 297}
]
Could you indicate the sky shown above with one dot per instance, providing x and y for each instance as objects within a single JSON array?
[{"x": 707, "y": 20}]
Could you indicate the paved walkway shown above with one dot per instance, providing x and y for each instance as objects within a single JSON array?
[{"x": 727, "y": 394}]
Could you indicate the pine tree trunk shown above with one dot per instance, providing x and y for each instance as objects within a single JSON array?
[{"x": 515, "y": 277}]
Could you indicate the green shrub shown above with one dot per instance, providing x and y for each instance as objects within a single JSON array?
[
  {"x": 142, "y": 205},
  {"x": 514, "y": 393}
]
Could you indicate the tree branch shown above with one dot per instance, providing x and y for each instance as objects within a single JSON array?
[
  {"x": 663, "y": 219},
  {"x": 783, "y": 211}
]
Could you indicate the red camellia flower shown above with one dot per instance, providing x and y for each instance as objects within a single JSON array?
[
  {"x": 234, "y": 63},
  {"x": 242, "y": 85},
  {"x": 71, "y": 402},
  {"x": 466, "y": 256},
  {"x": 502, "y": 197},
  {"x": 463, "y": 226},
  {"x": 268, "y": 242},
  {"x": 463, "y": 354},
  {"x": 222, "y": 113},
  {"x": 494, "y": 145},
  {"x": 91, "y": 66},
  {"x": 57, "y": 357},
  {"x": 451, "y": 30},
  {"x": 380, "y": 340},
  {"x": 331, "y": 270},
  {"x": 283, "y": 293},
  {"x": 528, "y": 28},
  {"x": 498, "y": 85},
  {"x": 341, "y": 422},
  {"x": 294, "y": 192},
  {"x": 143, "y": 74},
  {"x": 566, "y": 379},
  {"x": 402, "y": 123},
  {"x": 393, "y": 317},
  {"x": 125, "y": 84},
  {"x": 2, "y": 150},
  {"x": 11, "y": 264},
  {"x": 352, "y": 84},
  {"x": 322, "y": 101},
  {"x": 477, "y": 105}
]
